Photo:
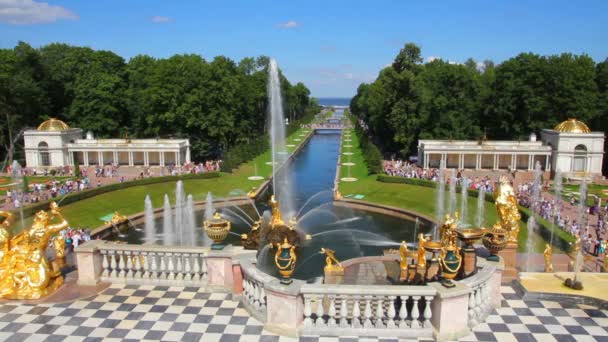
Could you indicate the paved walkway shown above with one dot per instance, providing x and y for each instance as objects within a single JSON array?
[{"x": 186, "y": 314}]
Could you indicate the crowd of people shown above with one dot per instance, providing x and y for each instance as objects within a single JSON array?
[
  {"x": 39, "y": 192},
  {"x": 73, "y": 238}
]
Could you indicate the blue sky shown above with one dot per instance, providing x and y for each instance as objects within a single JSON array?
[{"x": 332, "y": 46}]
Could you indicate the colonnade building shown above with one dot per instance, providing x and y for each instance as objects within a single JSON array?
[
  {"x": 569, "y": 147},
  {"x": 54, "y": 143}
]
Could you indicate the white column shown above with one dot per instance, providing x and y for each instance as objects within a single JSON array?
[
  {"x": 86, "y": 158},
  {"x": 477, "y": 161},
  {"x": 513, "y": 161},
  {"x": 460, "y": 161},
  {"x": 177, "y": 158},
  {"x": 547, "y": 164},
  {"x": 530, "y": 162},
  {"x": 130, "y": 158},
  {"x": 100, "y": 158},
  {"x": 444, "y": 160},
  {"x": 188, "y": 154},
  {"x": 146, "y": 160},
  {"x": 161, "y": 158},
  {"x": 115, "y": 157},
  {"x": 495, "y": 161}
]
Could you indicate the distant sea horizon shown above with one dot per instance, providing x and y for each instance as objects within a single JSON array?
[{"x": 334, "y": 101}]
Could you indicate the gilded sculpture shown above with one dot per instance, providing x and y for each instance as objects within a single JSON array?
[
  {"x": 331, "y": 262},
  {"x": 5, "y": 229},
  {"x": 548, "y": 253},
  {"x": 276, "y": 212},
  {"x": 25, "y": 269},
  {"x": 403, "y": 256},
  {"x": 421, "y": 251},
  {"x": 447, "y": 231},
  {"x": 506, "y": 205}
]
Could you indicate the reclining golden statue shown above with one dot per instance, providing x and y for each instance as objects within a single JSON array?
[{"x": 24, "y": 268}]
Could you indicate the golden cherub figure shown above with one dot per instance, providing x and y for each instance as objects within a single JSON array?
[
  {"x": 276, "y": 212},
  {"x": 330, "y": 258},
  {"x": 446, "y": 231},
  {"x": 548, "y": 253},
  {"x": 25, "y": 272}
]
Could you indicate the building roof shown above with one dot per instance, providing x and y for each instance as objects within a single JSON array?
[
  {"x": 53, "y": 125},
  {"x": 572, "y": 126}
]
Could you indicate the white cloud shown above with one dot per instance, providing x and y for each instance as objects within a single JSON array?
[
  {"x": 159, "y": 19},
  {"x": 289, "y": 24},
  {"x": 24, "y": 12},
  {"x": 429, "y": 59}
]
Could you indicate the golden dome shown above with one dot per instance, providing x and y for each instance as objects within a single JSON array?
[
  {"x": 53, "y": 125},
  {"x": 572, "y": 126}
]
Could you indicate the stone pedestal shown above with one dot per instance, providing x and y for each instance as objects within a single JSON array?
[
  {"x": 334, "y": 275},
  {"x": 219, "y": 270},
  {"x": 450, "y": 312},
  {"x": 89, "y": 262},
  {"x": 469, "y": 262},
  {"x": 285, "y": 308},
  {"x": 432, "y": 270},
  {"x": 509, "y": 257}
]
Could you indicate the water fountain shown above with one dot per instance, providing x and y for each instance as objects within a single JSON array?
[
  {"x": 17, "y": 180},
  {"x": 168, "y": 233},
  {"x": 440, "y": 200},
  {"x": 149, "y": 225},
  {"x": 481, "y": 207},
  {"x": 557, "y": 208},
  {"x": 452, "y": 199},
  {"x": 464, "y": 198}
]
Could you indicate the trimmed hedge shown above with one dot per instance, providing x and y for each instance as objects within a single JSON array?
[
  {"x": 80, "y": 195},
  {"x": 371, "y": 153},
  {"x": 561, "y": 238}
]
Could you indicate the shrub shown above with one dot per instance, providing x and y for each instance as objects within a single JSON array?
[
  {"x": 77, "y": 173},
  {"x": 53, "y": 172},
  {"x": 371, "y": 153}
]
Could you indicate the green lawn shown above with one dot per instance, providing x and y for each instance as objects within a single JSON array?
[{"x": 412, "y": 197}]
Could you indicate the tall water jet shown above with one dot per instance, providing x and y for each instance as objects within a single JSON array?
[
  {"x": 481, "y": 207},
  {"x": 168, "y": 233},
  {"x": 530, "y": 241},
  {"x": 280, "y": 180},
  {"x": 557, "y": 209},
  {"x": 208, "y": 216},
  {"x": 149, "y": 227},
  {"x": 581, "y": 217},
  {"x": 464, "y": 199},
  {"x": 453, "y": 200},
  {"x": 180, "y": 204},
  {"x": 191, "y": 221},
  {"x": 17, "y": 179},
  {"x": 440, "y": 201}
]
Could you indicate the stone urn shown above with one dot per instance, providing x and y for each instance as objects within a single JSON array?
[
  {"x": 495, "y": 240},
  {"x": 217, "y": 229},
  {"x": 450, "y": 261}
]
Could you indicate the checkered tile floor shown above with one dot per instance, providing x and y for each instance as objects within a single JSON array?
[{"x": 185, "y": 314}]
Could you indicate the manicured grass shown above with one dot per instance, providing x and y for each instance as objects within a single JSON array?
[{"x": 412, "y": 197}]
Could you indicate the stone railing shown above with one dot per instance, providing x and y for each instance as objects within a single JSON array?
[
  {"x": 481, "y": 301},
  {"x": 150, "y": 264},
  {"x": 367, "y": 310},
  {"x": 254, "y": 293}
]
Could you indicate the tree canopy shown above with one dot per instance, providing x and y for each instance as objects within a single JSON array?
[
  {"x": 217, "y": 104},
  {"x": 411, "y": 100}
]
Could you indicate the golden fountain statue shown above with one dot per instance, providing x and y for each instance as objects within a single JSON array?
[
  {"x": 337, "y": 195},
  {"x": 548, "y": 253},
  {"x": 279, "y": 230},
  {"x": 251, "y": 194},
  {"x": 403, "y": 256},
  {"x": 276, "y": 212},
  {"x": 285, "y": 259},
  {"x": 331, "y": 262},
  {"x": 24, "y": 268},
  {"x": 117, "y": 218},
  {"x": 5, "y": 229},
  {"x": 506, "y": 205},
  {"x": 217, "y": 229},
  {"x": 447, "y": 231},
  {"x": 421, "y": 251}
]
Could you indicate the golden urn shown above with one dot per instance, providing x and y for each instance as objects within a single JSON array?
[
  {"x": 217, "y": 229},
  {"x": 495, "y": 240},
  {"x": 285, "y": 259}
]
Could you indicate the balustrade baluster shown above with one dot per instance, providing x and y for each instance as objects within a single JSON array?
[
  {"x": 203, "y": 267},
  {"x": 179, "y": 270},
  {"x": 392, "y": 313},
  {"x": 162, "y": 272},
  {"x": 256, "y": 295},
  {"x": 427, "y": 311},
  {"x": 379, "y": 313},
  {"x": 153, "y": 265},
  {"x": 343, "y": 312},
  {"x": 415, "y": 312},
  {"x": 478, "y": 303},
  {"x": 307, "y": 312},
  {"x": 187, "y": 267},
  {"x": 113, "y": 265},
  {"x": 320, "y": 322},
  {"x": 356, "y": 323},
  {"x": 472, "y": 320},
  {"x": 170, "y": 266},
  {"x": 105, "y": 263},
  {"x": 136, "y": 273},
  {"x": 403, "y": 312},
  {"x": 145, "y": 266},
  {"x": 368, "y": 313},
  {"x": 121, "y": 264},
  {"x": 262, "y": 297},
  {"x": 196, "y": 268},
  {"x": 129, "y": 264},
  {"x": 331, "y": 312}
]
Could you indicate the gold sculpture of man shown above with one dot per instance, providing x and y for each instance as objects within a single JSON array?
[
  {"x": 548, "y": 253},
  {"x": 421, "y": 251},
  {"x": 506, "y": 205},
  {"x": 403, "y": 256},
  {"x": 446, "y": 231},
  {"x": 25, "y": 269},
  {"x": 276, "y": 212},
  {"x": 5, "y": 232},
  {"x": 331, "y": 261}
]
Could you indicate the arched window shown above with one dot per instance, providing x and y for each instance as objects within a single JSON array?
[
  {"x": 43, "y": 152},
  {"x": 580, "y": 159}
]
